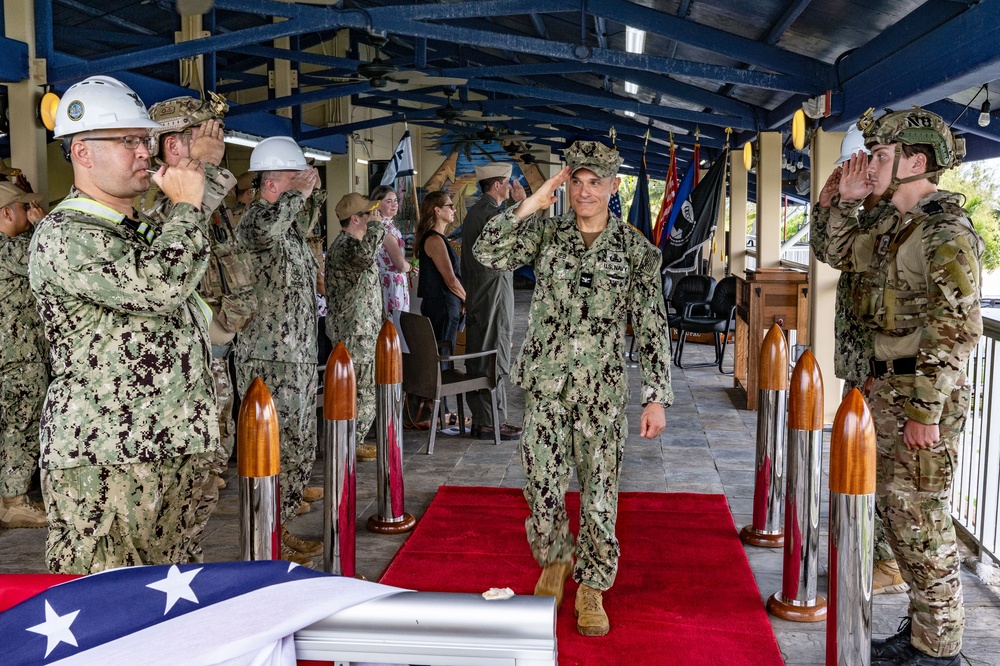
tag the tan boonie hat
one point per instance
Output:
(354, 203)
(494, 170)
(245, 181)
(11, 193)
(594, 156)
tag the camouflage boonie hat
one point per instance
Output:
(594, 156)
(181, 113)
(913, 127)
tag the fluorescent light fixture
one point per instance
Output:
(635, 39)
(242, 139)
(631, 88)
(318, 155)
(361, 161)
(630, 114)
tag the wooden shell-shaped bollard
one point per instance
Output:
(340, 411)
(852, 526)
(391, 517)
(769, 470)
(259, 462)
(798, 600)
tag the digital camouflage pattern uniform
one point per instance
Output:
(853, 338)
(279, 345)
(921, 293)
(572, 367)
(24, 368)
(227, 287)
(130, 411)
(354, 311)
(489, 307)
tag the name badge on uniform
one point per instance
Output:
(586, 280)
(883, 244)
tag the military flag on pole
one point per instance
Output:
(696, 219)
(401, 163)
(669, 196)
(638, 212)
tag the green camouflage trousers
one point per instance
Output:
(22, 392)
(556, 437)
(207, 497)
(293, 388)
(913, 491)
(882, 549)
(364, 376)
(102, 517)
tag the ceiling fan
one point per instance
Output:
(383, 75)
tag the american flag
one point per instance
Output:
(231, 612)
(615, 205)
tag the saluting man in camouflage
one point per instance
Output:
(590, 267)
(354, 301)
(854, 347)
(24, 361)
(130, 411)
(279, 345)
(192, 128)
(920, 292)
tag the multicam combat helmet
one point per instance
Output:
(594, 156)
(182, 113)
(911, 127)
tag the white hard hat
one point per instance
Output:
(854, 142)
(278, 153)
(100, 102)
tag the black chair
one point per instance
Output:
(716, 317)
(689, 289)
(423, 376)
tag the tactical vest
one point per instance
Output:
(883, 299)
(227, 284)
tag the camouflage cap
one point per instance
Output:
(913, 127)
(594, 156)
(181, 113)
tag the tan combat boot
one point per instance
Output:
(293, 555)
(19, 511)
(312, 494)
(366, 452)
(886, 578)
(304, 546)
(553, 580)
(303, 508)
(591, 620)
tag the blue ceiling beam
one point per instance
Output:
(685, 92)
(14, 60)
(271, 53)
(610, 102)
(712, 39)
(792, 12)
(115, 37)
(298, 99)
(508, 71)
(958, 55)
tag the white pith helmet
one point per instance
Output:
(278, 153)
(854, 142)
(100, 102)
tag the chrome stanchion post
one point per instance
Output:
(769, 470)
(797, 600)
(258, 467)
(852, 534)
(391, 517)
(340, 411)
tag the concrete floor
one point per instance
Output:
(707, 447)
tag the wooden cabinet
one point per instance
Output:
(766, 296)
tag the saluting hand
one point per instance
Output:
(183, 182)
(208, 143)
(544, 196)
(854, 183)
(831, 188)
(305, 181)
(517, 192)
(35, 212)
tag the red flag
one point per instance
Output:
(697, 162)
(669, 193)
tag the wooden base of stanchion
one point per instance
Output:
(397, 527)
(755, 538)
(778, 607)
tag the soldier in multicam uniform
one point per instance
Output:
(920, 291)
(590, 266)
(245, 192)
(192, 128)
(131, 408)
(853, 351)
(354, 301)
(279, 345)
(24, 361)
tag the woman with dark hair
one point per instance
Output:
(440, 290)
(391, 257)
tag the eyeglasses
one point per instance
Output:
(131, 141)
(448, 205)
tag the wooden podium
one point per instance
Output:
(766, 296)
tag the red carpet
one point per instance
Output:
(684, 594)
